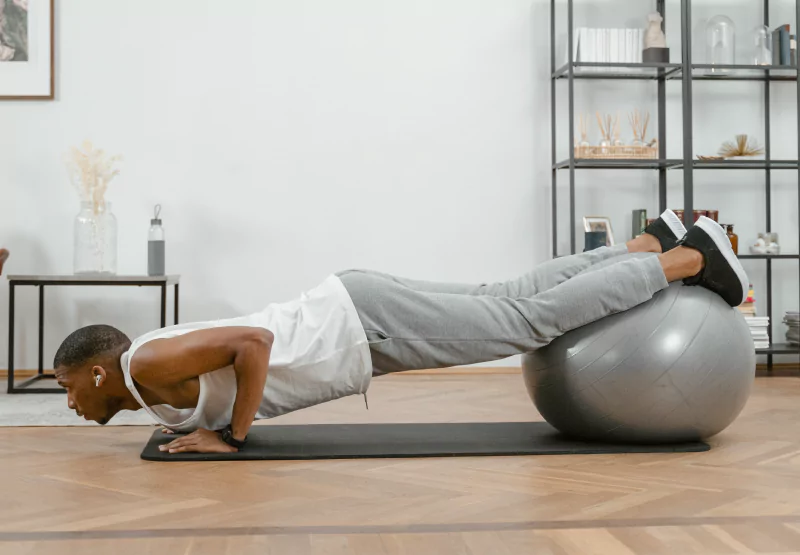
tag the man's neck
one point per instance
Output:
(129, 402)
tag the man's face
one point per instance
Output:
(83, 395)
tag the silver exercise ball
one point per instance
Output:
(676, 368)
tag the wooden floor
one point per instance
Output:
(85, 490)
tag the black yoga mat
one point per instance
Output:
(356, 441)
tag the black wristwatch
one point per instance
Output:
(227, 437)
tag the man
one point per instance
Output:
(215, 378)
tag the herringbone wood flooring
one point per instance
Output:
(79, 490)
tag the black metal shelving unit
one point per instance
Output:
(686, 73)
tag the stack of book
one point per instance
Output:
(759, 331)
(610, 46)
(792, 321)
(784, 47)
(759, 326)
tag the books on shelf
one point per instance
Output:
(784, 47)
(608, 46)
(792, 321)
(759, 325)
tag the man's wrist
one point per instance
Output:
(228, 437)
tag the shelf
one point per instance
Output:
(700, 72)
(618, 164)
(744, 165)
(671, 163)
(779, 349)
(769, 256)
(707, 72)
(587, 70)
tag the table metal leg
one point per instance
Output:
(164, 305)
(175, 314)
(41, 330)
(11, 338)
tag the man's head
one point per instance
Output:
(88, 365)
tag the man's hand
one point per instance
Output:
(162, 364)
(199, 441)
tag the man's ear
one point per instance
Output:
(99, 375)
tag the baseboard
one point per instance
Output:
(782, 369)
(20, 373)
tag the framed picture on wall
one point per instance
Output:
(27, 70)
(599, 223)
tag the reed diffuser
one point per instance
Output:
(612, 145)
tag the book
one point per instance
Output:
(776, 47)
(602, 44)
(640, 45)
(781, 46)
(576, 44)
(613, 43)
(638, 222)
(629, 59)
(786, 53)
(591, 45)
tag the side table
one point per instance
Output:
(73, 280)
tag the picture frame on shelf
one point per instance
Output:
(599, 223)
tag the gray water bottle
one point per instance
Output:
(155, 246)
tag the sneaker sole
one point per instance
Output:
(717, 235)
(674, 222)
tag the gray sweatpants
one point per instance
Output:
(414, 324)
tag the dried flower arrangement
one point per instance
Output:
(743, 147)
(90, 171)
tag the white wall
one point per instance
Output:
(286, 140)
(290, 139)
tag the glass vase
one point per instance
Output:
(95, 236)
(721, 41)
(762, 38)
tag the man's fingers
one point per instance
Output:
(166, 431)
(191, 437)
(184, 449)
(180, 442)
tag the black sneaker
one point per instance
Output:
(723, 273)
(668, 229)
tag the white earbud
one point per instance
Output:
(97, 381)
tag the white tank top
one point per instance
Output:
(320, 353)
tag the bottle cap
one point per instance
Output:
(156, 220)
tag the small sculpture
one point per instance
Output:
(655, 42)
(655, 38)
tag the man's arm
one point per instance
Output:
(168, 362)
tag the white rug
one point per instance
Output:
(47, 409)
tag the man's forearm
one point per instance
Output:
(251, 366)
